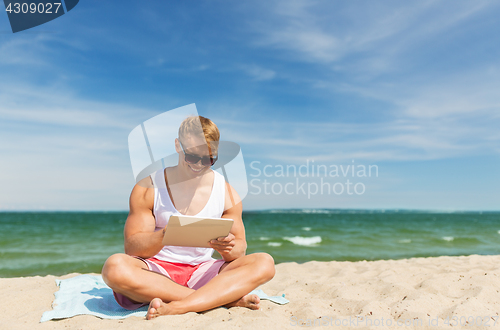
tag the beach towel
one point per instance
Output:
(89, 295)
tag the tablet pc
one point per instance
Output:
(184, 230)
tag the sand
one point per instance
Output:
(417, 293)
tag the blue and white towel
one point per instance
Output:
(89, 295)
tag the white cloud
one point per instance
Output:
(397, 140)
(375, 46)
(258, 73)
(61, 151)
(465, 93)
(58, 105)
(375, 32)
(25, 51)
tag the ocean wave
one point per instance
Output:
(321, 211)
(306, 228)
(306, 241)
(448, 238)
(274, 244)
(264, 238)
(303, 211)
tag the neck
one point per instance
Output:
(179, 175)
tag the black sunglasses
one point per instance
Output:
(193, 159)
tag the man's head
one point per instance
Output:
(198, 138)
(199, 126)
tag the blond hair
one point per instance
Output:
(202, 127)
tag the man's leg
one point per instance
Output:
(236, 280)
(131, 277)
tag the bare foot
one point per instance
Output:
(154, 306)
(251, 301)
(157, 308)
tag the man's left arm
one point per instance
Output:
(233, 245)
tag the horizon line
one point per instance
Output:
(305, 210)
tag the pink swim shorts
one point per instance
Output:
(191, 276)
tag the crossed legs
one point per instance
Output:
(130, 277)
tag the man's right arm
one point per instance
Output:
(140, 237)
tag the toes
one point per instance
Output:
(156, 303)
(153, 308)
(254, 302)
(253, 299)
(151, 313)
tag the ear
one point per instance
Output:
(178, 148)
(213, 148)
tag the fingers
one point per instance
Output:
(229, 238)
(222, 243)
(222, 249)
(222, 246)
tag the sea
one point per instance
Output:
(57, 243)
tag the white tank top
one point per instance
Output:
(164, 208)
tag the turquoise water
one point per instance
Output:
(59, 243)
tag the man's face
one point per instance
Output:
(194, 152)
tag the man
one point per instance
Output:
(176, 280)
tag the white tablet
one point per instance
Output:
(184, 230)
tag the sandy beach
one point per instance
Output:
(417, 293)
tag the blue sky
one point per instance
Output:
(411, 87)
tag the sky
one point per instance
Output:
(409, 89)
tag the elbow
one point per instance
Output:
(242, 250)
(129, 250)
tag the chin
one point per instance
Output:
(196, 171)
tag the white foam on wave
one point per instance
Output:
(404, 241)
(264, 238)
(274, 244)
(320, 211)
(499, 231)
(306, 228)
(448, 238)
(306, 241)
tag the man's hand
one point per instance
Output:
(223, 245)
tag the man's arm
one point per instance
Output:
(140, 237)
(233, 245)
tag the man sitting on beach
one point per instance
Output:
(175, 279)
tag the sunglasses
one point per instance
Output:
(193, 159)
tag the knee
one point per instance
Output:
(114, 270)
(266, 266)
